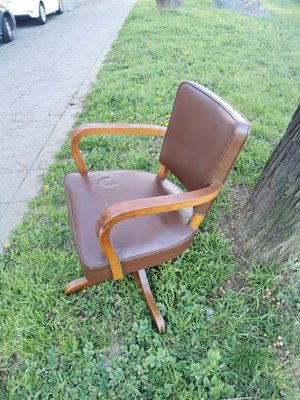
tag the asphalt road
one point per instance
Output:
(44, 76)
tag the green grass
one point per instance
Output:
(223, 315)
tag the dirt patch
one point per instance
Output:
(5, 369)
(234, 284)
(247, 7)
(114, 350)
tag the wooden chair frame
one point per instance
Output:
(135, 208)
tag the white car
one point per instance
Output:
(38, 9)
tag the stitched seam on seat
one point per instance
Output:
(159, 251)
(146, 254)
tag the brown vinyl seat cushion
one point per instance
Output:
(139, 242)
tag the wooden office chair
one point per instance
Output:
(126, 221)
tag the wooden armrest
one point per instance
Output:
(109, 129)
(137, 208)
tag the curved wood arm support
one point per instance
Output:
(109, 129)
(137, 208)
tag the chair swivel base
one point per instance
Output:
(78, 285)
(141, 278)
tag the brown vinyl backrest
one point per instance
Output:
(204, 137)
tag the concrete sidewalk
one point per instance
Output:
(45, 74)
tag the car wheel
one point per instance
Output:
(7, 33)
(42, 18)
(60, 7)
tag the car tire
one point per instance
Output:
(7, 33)
(42, 18)
(60, 7)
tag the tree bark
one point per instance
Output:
(162, 4)
(269, 226)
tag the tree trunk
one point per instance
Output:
(161, 4)
(269, 226)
